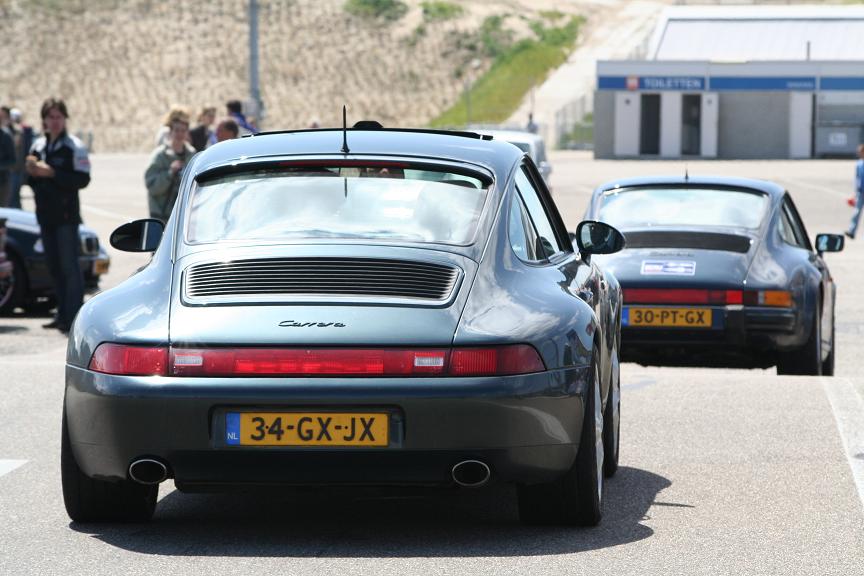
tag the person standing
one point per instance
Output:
(59, 167)
(227, 129)
(163, 174)
(25, 137)
(532, 126)
(859, 193)
(8, 158)
(176, 111)
(235, 111)
(202, 134)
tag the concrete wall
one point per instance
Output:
(604, 123)
(754, 125)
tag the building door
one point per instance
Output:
(626, 134)
(649, 142)
(709, 127)
(670, 126)
(800, 124)
(691, 125)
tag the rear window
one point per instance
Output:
(640, 207)
(366, 202)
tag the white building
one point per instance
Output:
(738, 82)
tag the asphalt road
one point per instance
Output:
(723, 471)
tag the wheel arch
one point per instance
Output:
(13, 253)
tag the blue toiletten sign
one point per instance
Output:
(675, 83)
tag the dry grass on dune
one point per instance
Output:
(121, 63)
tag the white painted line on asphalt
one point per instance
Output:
(7, 466)
(108, 213)
(848, 408)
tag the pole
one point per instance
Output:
(467, 103)
(254, 83)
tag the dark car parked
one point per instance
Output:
(719, 271)
(399, 308)
(7, 280)
(33, 287)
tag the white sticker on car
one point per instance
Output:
(668, 267)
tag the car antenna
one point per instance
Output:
(686, 173)
(345, 149)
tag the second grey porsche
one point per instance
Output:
(720, 271)
(361, 307)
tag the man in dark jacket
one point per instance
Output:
(58, 167)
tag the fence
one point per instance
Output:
(574, 124)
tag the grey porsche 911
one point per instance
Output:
(350, 307)
(719, 271)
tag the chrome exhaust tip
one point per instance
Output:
(471, 473)
(148, 471)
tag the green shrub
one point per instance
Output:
(516, 68)
(494, 38)
(384, 9)
(552, 15)
(440, 11)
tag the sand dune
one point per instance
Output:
(121, 63)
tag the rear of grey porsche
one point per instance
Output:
(317, 332)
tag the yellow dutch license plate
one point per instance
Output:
(669, 317)
(307, 429)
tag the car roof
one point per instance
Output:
(770, 188)
(25, 220)
(461, 147)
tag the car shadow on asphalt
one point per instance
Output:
(379, 523)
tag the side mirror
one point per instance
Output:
(138, 236)
(597, 238)
(829, 243)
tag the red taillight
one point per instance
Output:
(382, 362)
(710, 297)
(734, 297)
(307, 362)
(130, 360)
(682, 296)
(495, 361)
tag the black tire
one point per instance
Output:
(19, 286)
(612, 419)
(828, 363)
(577, 497)
(806, 360)
(89, 500)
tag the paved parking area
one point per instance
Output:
(723, 471)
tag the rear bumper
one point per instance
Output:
(526, 428)
(740, 335)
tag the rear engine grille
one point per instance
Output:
(329, 277)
